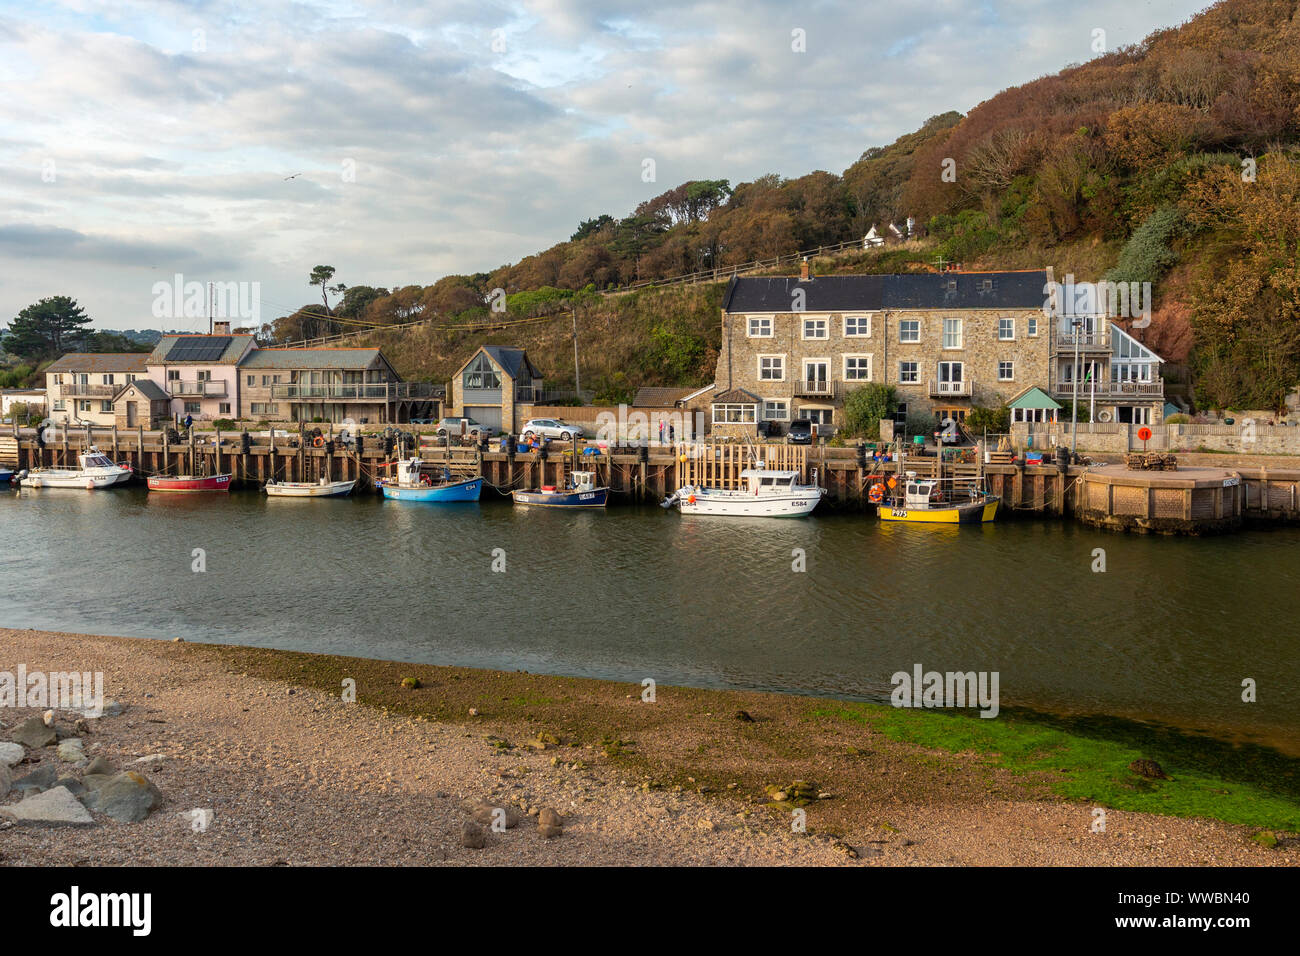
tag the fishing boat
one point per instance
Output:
(309, 489)
(765, 493)
(935, 500)
(579, 491)
(411, 485)
(5, 475)
(189, 483)
(95, 470)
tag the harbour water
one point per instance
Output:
(1167, 633)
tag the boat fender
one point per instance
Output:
(690, 499)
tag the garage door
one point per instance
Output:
(489, 415)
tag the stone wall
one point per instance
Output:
(1120, 439)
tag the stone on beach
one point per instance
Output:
(42, 778)
(487, 814)
(70, 750)
(472, 836)
(6, 778)
(100, 765)
(127, 797)
(33, 733)
(11, 753)
(57, 807)
(549, 823)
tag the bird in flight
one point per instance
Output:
(294, 176)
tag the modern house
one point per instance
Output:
(330, 384)
(80, 386)
(1109, 370)
(491, 386)
(200, 373)
(794, 347)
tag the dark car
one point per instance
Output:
(800, 432)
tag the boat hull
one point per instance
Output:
(458, 491)
(741, 505)
(5, 475)
(190, 484)
(975, 512)
(298, 489)
(595, 498)
(55, 478)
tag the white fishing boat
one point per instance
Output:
(766, 493)
(96, 470)
(309, 489)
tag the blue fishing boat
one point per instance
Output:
(411, 485)
(579, 492)
(5, 475)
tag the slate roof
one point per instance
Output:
(236, 346)
(737, 396)
(870, 293)
(294, 359)
(147, 387)
(100, 362)
(512, 360)
(660, 397)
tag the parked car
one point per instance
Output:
(464, 428)
(551, 428)
(800, 432)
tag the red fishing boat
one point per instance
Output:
(189, 483)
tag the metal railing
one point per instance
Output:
(1105, 388)
(88, 391)
(962, 389)
(351, 391)
(200, 389)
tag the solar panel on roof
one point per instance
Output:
(202, 348)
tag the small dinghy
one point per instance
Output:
(309, 489)
(411, 485)
(580, 492)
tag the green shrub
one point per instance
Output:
(1148, 253)
(981, 419)
(864, 407)
(1179, 419)
(224, 424)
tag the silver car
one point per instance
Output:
(550, 428)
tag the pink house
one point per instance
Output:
(200, 373)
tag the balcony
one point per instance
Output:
(200, 389)
(814, 388)
(351, 392)
(89, 391)
(1110, 390)
(962, 389)
(1088, 341)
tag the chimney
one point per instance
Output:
(803, 270)
(221, 328)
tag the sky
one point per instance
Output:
(233, 142)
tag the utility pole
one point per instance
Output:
(1075, 324)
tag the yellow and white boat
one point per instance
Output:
(925, 502)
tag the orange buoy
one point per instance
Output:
(876, 493)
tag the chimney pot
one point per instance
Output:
(221, 328)
(803, 270)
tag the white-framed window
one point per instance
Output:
(952, 333)
(776, 410)
(108, 379)
(857, 326)
(951, 378)
(909, 373)
(1006, 371)
(759, 327)
(857, 368)
(58, 379)
(909, 330)
(1031, 327)
(83, 405)
(733, 414)
(1006, 330)
(816, 328)
(193, 408)
(106, 406)
(59, 405)
(223, 408)
(771, 368)
(817, 376)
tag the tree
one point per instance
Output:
(321, 276)
(864, 407)
(47, 329)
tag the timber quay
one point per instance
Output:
(1201, 499)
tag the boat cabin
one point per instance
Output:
(762, 480)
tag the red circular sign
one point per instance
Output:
(1144, 434)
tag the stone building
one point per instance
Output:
(794, 347)
(492, 385)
